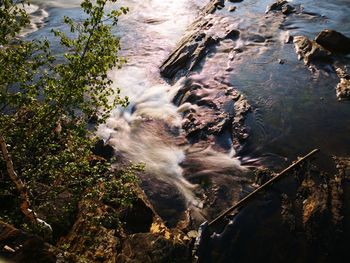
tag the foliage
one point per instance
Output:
(46, 102)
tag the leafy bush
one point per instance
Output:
(46, 102)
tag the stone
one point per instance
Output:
(343, 87)
(310, 51)
(202, 37)
(232, 8)
(304, 217)
(333, 41)
(19, 246)
(233, 34)
(277, 6)
(104, 150)
(287, 9)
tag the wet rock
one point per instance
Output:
(104, 150)
(281, 6)
(139, 217)
(304, 214)
(213, 5)
(289, 39)
(187, 55)
(202, 38)
(287, 9)
(217, 108)
(167, 199)
(276, 6)
(333, 41)
(21, 247)
(256, 38)
(232, 34)
(343, 87)
(106, 232)
(310, 51)
(232, 8)
(150, 248)
(221, 179)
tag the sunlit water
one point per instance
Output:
(293, 110)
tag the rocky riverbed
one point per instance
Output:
(197, 147)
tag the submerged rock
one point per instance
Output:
(333, 41)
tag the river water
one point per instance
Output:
(293, 110)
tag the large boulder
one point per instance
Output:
(333, 41)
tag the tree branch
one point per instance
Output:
(21, 188)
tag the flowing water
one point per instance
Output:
(293, 109)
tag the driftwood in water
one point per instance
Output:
(253, 194)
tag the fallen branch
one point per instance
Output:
(252, 194)
(21, 188)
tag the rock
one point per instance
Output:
(106, 232)
(306, 214)
(149, 248)
(235, 1)
(310, 51)
(202, 37)
(232, 34)
(333, 41)
(288, 39)
(219, 107)
(188, 54)
(104, 150)
(213, 5)
(139, 217)
(256, 38)
(19, 246)
(343, 87)
(232, 8)
(287, 9)
(277, 6)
